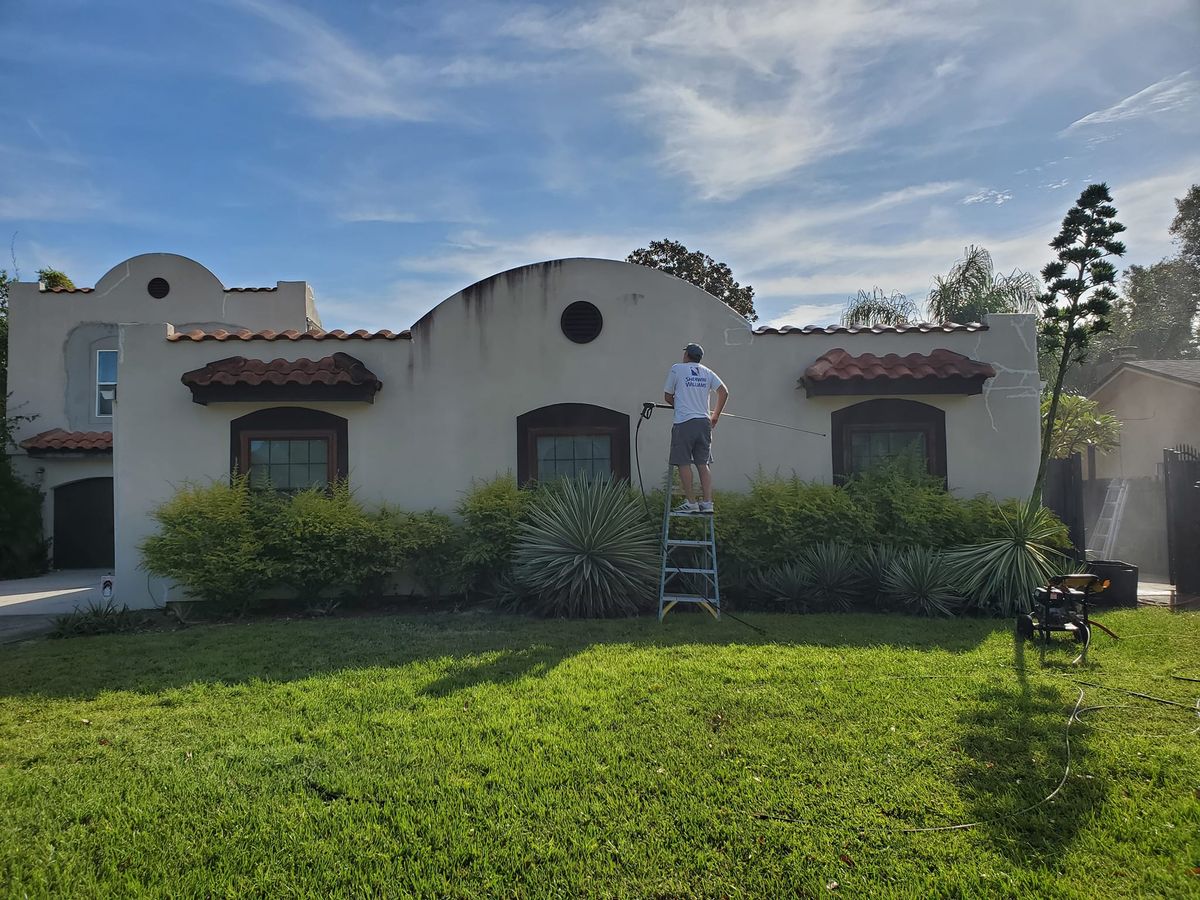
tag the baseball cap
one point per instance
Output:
(694, 351)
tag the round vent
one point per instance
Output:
(158, 288)
(581, 322)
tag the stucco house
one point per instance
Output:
(1158, 404)
(160, 375)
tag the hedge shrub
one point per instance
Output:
(491, 512)
(24, 551)
(211, 541)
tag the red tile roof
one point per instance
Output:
(837, 372)
(922, 327)
(243, 334)
(340, 368)
(58, 440)
(70, 290)
(251, 289)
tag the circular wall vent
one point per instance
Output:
(158, 288)
(581, 322)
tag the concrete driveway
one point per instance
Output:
(28, 605)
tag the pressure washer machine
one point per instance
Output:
(1062, 605)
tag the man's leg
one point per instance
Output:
(685, 478)
(705, 482)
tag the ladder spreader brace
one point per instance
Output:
(699, 573)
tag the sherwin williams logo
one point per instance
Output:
(695, 371)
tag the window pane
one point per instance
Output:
(564, 448)
(281, 478)
(318, 451)
(259, 479)
(318, 475)
(299, 476)
(259, 453)
(583, 447)
(299, 452)
(279, 451)
(545, 450)
(601, 447)
(104, 405)
(106, 367)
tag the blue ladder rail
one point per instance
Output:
(701, 572)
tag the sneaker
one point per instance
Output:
(687, 506)
(706, 507)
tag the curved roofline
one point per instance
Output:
(476, 286)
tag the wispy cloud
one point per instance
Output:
(741, 96)
(1179, 92)
(337, 78)
(998, 198)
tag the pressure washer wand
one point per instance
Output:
(648, 408)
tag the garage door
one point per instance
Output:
(83, 524)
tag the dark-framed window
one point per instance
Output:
(877, 431)
(288, 448)
(568, 438)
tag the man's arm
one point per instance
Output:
(669, 399)
(722, 396)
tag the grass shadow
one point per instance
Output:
(1016, 752)
(478, 646)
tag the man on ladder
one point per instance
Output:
(687, 390)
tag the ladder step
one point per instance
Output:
(692, 515)
(688, 598)
(678, 570)
(671, 542)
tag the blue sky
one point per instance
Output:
(392, 153)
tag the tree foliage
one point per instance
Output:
(1157, 315)
(875, 307)
(1185, 228)
(973, 288)
(1079, 295)
(1080, 422)
(54, 279)
(701, 270)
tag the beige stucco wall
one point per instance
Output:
(41, 324)
(1155, 412)
(447, 412)
(53, 339)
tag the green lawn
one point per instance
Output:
(480, 755)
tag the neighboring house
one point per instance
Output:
(1158, 404)
(539, 371)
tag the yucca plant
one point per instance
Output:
(587, 550)
(1002, 574)
(785, 586)
(873, 563)
(921, 580)
(835, 581)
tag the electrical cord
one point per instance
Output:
(1077, 711)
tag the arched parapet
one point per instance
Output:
(183, 277)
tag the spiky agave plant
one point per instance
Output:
(1003, 573)
(873, 562)
(586, 551)
(835, 581)
(920, 580)
(786, 586)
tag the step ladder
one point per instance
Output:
(689, 564)
(1103, 541)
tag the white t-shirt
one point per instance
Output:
(691, 383)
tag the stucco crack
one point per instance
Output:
(1021, 389)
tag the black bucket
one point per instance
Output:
(1123, 577)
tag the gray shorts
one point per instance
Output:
(691, 442)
